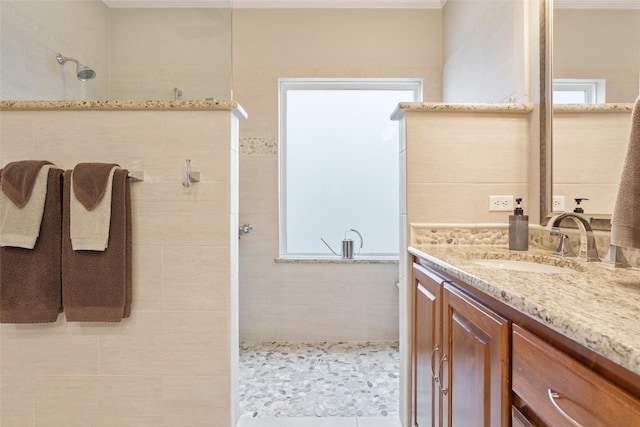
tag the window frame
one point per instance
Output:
(302, 83)
(595, 89)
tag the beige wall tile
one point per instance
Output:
(169, 214)
(195, 401)
(169, 343)
(195, 278)
(203, 137)
(17, 400)
(577, 136)
(130, 139)
(16, 137)
(147, 278)
(60, 351)
(98, 401)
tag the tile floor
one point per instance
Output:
(320, 422)
(356, 384)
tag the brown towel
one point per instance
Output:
(90, 182)
(96, 286)
(90, 205)
(625, 221)
(19, 178)
(20, 226)
(30, 287)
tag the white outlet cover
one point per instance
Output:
(500, 203)
(558, 204)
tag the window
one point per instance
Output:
(579, 91)
(339, 164)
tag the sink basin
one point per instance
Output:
(514, 265)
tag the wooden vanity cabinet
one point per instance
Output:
(461, 357)
(555, 390)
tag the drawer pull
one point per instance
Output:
(446, 389)
(436, 378)
(552, 397)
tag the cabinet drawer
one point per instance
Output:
(557, 388)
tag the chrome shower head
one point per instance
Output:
(83, 72)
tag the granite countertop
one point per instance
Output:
(593, 108)
(435, 107)
(213, 104)
(594, 304)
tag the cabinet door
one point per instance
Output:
(475, 363)
(427, 347)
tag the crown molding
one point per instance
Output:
(289, 4)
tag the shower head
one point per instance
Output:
(83, 72)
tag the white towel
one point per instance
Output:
(625, 221)
(89, 229)
(20, 227)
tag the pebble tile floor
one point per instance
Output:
(280, 379)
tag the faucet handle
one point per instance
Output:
(564, 245)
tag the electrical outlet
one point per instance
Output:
(558, 204)
(500, 203)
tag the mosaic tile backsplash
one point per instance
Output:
(258, 146)
(498, 234)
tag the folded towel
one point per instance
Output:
(625, 221)
(22, 199)
(30, 280)
(91, 205)
(96, 285)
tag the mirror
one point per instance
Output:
(599, 41)
(139, 50)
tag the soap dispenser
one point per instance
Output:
(518, 229)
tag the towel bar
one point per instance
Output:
(136, 176)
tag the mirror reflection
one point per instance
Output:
(596, 60)
(159, 52)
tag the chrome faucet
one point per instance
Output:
(588, 250)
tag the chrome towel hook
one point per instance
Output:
(190, 176)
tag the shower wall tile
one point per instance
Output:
(70, 137)
(170, 362)
(195, 401)
(18, 400)
(147, 276)
(195, 278)
(99, 401)
(168, 214)
(167, 343)
(17, 132)
(182, 135)
(59, 352)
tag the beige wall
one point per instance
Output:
(33, 32)
(154, 50)
(485, 51)
(455, 161)
(172, 362)
(311, 302)
(599, 44)
(588, 153)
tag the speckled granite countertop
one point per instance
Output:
(593, 108)
(432, 107)
(597, 306)
(215, 104)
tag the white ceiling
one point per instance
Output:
(348, 4)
